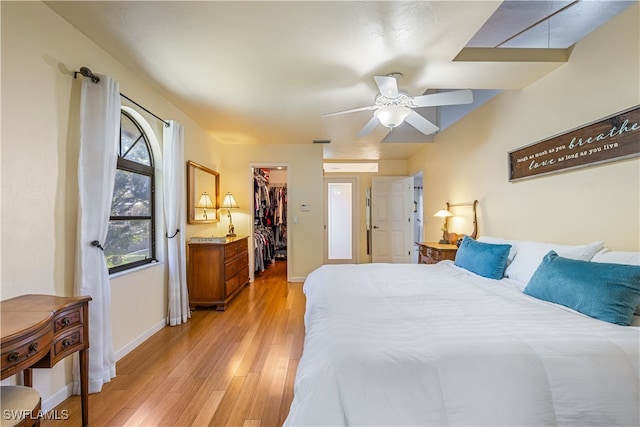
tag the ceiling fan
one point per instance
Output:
(393, 106)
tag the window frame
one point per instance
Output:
(144, 170)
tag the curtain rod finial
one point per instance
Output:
(85, 71)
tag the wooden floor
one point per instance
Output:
(232, 368)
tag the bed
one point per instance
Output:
(440, 345)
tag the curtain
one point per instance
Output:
(99, 138)
(173, 169)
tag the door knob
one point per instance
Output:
(375, 226)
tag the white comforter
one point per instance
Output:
(391, 345)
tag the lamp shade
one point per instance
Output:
(205, 202)
(229, 202)
(392, 116)
(443, 213)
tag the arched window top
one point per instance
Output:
(134, 145)
(131, 238)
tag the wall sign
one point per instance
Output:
(613, 138)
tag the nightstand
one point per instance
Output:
(431, 253)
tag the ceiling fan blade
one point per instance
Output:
(444, 98)
(388, 86)
(420, 123)
(370, 126)
(370, 107)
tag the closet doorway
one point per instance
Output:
(269, 240)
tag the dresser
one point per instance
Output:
(430, 253)
(217, 271)
(40, 330)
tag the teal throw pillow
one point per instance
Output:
(485, 259)
(608, 292)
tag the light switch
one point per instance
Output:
(305, 207)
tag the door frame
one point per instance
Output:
(418, 218)
(355, 216)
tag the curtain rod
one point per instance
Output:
(86, 72)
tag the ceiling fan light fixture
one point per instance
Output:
(392, 115)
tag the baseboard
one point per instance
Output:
(139, 339)
(57, 398)
(297, 279)
(66, 391)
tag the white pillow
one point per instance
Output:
(617, 257)
(500, 241)
(529, 255)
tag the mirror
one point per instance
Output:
(464, 221)
(203, 194)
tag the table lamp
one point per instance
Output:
(444, 213)
(229, 203)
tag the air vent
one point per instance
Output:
(321, 141)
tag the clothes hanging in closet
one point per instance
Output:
(264, 247)
(270, 227)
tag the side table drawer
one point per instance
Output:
(21, 354)
(431, 253)
(68, 343)
(67, 319)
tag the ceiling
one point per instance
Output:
(264, 72)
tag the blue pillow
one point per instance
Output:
(485, 259)
(609, 292)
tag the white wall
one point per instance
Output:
(39, 156)
(304, 172)
(469, 160)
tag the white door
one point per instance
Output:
(340, 196)
(391, 213)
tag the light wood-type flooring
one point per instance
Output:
(231, 368)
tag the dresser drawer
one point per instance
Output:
(243, 245)
(234, 248)
(231, 284)
(230, 250)
(232, 267)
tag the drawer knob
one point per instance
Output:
(66, 342)
(33, 347)
(66, 321)
(13, 356)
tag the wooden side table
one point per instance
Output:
(431, 253)
(37, 331)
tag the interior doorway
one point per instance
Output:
(340, 220)
(270, 237)
(392, 219)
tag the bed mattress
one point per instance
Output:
(436, 345)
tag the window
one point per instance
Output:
(131, 237)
